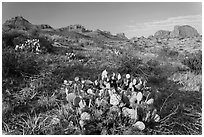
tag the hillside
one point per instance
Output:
(76, 81)
(73, 32)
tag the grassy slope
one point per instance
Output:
(180, 110)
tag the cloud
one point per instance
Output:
(149, 28)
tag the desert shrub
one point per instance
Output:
(16, 64)
(152, 63)
(129, 64)
(77, 69)
(61, 50)
(194, 62)
(16, 37)
(16, 69)
(8, 37)
(46, 44)
(166, 52)
(159, 72)
(34, 32)
(19, 40)
(173, 53)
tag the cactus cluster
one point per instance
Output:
(113, 97)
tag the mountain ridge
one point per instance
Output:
(80, 31)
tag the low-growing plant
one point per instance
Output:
(194, 62)
(129, 64)
(9, 37)
(18, 64)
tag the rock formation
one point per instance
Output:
(162, 34)
(121, 35)
(184, 31)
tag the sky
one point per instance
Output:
(132, 18)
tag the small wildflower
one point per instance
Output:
(76, 79)
(65, 82)
(127, 76)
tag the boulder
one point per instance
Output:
(183, 32)
(162, 34)
(121, 35)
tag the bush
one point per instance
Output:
(8, 37)
(15, 64)
(166, 52)
(152, 63)
(71, 71)
(194, 62)
(129, 64)
(46, 44)
(16, 37)
(19, 40)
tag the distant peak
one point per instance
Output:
(20, 18)
(17, 22)
(17, 19)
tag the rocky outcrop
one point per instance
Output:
(75, 27)
(162, 34)
(183, 32)
(178, 32)
(121, 35)
(44, 26)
